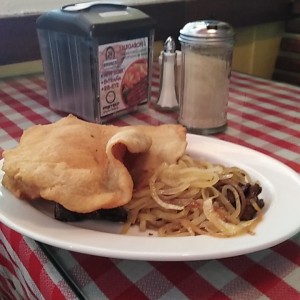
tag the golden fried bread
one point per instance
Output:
(75, 163)
(85, 166)
(168, 145)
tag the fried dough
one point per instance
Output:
(85, 166)
(74, 163)
(168, 145)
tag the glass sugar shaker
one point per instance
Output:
(206, 48)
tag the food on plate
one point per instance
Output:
(193, 198)
(117, 214)
(138, 175)
(84, 166)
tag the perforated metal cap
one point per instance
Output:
(206, 31)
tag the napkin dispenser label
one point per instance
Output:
(123, 75)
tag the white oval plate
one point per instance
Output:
(281, 189)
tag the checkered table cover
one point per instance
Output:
(263, 115)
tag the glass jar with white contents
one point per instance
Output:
(207, 48)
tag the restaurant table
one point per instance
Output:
(263, 115)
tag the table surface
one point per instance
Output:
(262, 115)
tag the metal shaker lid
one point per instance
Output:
(206, 31)
(169, 45)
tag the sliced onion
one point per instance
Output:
(155, 196)
(157, 199)
(227, 228)
(162, 203)
(236, 195)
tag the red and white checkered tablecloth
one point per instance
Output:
(263, 115)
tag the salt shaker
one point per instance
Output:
(206, 48)
(177, 71)
(167, 99)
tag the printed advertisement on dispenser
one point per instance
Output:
(123, 75)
